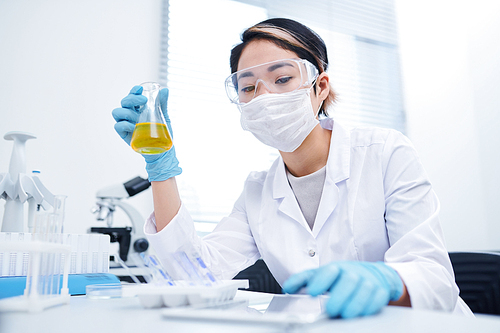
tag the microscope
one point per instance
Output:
(130, 238)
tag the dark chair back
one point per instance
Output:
(260, 278)
(477, 274)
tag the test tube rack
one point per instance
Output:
(34, 298)
(89, 253)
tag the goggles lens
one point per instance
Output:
(280, 76)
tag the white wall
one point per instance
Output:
(64, 65)
(450, 54)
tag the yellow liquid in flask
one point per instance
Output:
(151, 138)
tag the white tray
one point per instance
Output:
(152, 296)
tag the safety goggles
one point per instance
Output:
(280, 76)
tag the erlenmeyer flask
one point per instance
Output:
(151, 134)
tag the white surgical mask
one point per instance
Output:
(282, 121)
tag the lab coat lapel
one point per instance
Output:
(337, 170)
(282, 191)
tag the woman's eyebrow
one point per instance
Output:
(246, 74)
(269, 69)
(279, 65)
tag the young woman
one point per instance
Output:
(351, 212)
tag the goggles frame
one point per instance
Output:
(308, 78)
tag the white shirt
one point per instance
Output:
(377, 205)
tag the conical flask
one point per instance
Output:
(151, 134)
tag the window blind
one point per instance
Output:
(197, 35)
(362, 43)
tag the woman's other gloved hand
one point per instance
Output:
(356, 288)
(159, 166)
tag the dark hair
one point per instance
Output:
(289, 35)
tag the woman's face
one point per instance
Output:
(263, 51)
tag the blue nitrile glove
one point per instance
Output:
(160, 166)
(356, 288)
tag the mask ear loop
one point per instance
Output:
(319, 109)
(313, 85)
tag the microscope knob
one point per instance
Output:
(141, 245)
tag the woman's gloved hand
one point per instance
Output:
(356, 288)
(160, 166)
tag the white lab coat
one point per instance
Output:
(377, 205)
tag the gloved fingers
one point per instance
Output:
(156, 157)
(297, 281)
(392, 278)
(122, 114)
(163, 166)
(136, 90)
(124, 127)
(323, 280)
(359, 300)
(341, 292)
(134, 99)
(386, 275)
(163, 95)
(380, 299)
(125, 130)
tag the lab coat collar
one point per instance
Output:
(280, 182)
(283, 191)
(339, 157)
(337, 170)
(337, 165)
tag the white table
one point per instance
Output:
(128, 315)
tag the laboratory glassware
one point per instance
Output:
(59, 208)
(43, 280)
(151, 134)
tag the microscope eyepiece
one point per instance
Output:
(136, 185)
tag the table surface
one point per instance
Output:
(128, 315)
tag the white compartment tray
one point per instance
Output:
(181, 295)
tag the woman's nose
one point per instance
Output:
(261, 87)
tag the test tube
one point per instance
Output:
(38, 283)
(94, 253)
(18, 237)
(59, 208)
(3, 255)
(103, 260)
(192, 272)
(160, 276)
(203, 270)
(57, 229)
(82, 257)
(139, 262)
(26, 257)
(51, 257)
(127, 269)
(63, 239)
(12, 257)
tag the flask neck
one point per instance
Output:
(151, 112)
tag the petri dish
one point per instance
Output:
(104, 291)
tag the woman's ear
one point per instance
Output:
(322, 86)
(322, 91)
